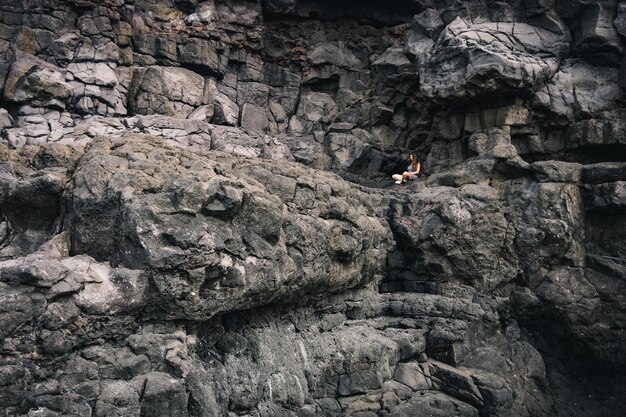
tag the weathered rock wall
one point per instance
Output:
(180, 283)
(175, 239)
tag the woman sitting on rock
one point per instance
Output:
(412, 170)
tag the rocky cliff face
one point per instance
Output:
(197, 219)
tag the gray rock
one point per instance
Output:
(169, 91)
(428, 23)
(254, 118)
(565, 287)
(603, 172)
(512, 115)
(34, 81)
(252, 93)
(346, 148)
(522, 56)
(93, 73)
(97, 288)
(594, 132)
(6, 60)
(201, 52)
(108, 291)
(422, 305)
(418, 47)
(597, 38)
(392, 64)
(226, 111)
(117, 398)
(64, 47)
(163, 395)
(492, 143)
(285, 389)
(198, 272)
(315, 112)
(609, 197)
(457, 382)
(432, 404)
(205, 13)
(57, 315)
(540, 238)
(497, 393)
(339, 54)
(18, 309)
(579, 89)
(556, 171)
(202, 113)
(308, 151)
(442, 219)
(6, 121)
(411, 375)
(245, 262)
(620, 20)
(232, 140)
(32, 189)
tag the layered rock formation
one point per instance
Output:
(196, 217)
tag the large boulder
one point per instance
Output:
(167, 90)
(580, 90)
(456, 234)
(493, 57)
(221, 232)
(315, 113)
(226, 111)
(36, 82)
(69, 297)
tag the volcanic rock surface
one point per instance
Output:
(197, 216)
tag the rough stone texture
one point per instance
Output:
(168, 91)
(460, 234)
(472, 59)
(579, 90)
(595, 35)
(620, 19)
(33, 81)
(175, 239)
(172, 203)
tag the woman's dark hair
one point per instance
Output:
(415, 160)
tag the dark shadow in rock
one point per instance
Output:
(588, 154)
(374, 12)
(30, 198)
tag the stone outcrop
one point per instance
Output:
(196, 215)
(491, 57)
(168, 91)
(167, 207)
